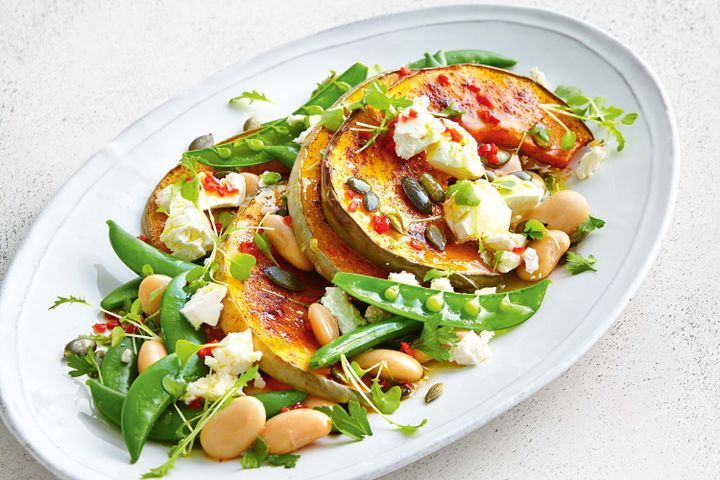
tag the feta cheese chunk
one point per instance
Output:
(442, 283)
(522, 196)
(311, 121)
(538, 75)
(505, 241)
(531, 259)
(486, 291)
(508, 261)
(403, 277)
(472, 349)
(205, 305)
(187, 232)
(590, 162)
(416, 129)
(338, 302)
(231, 357)
(455, 153)
(491, 216)
(164, 197)
(227, 192)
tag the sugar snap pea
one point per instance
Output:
(455, 57)
(117, 298)
(119, 366)
(276, 401)
(460, 310)
(362, 339)
(135, 253)
(278, 133)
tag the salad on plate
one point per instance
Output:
(318, 268)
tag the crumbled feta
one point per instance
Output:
(472, 349)
(293, 119)
(416, 129)
(490, 217)
(164, 197)
(233, 356)
(259, 381)
(522, 196)
(505, 241)
(311, 121)
(590, 161)
(347, 316)
(187, 232)
(531, 259)
(538, 75)
(374, 314)
(126, 356)
(235, 185)
(455, 153)
(508, 261)
(205, 305)
(442, 283)
(266, 198)
(403, 277)
(486, 291)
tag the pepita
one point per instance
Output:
(417, 195)
(435, 237)
(371, 202)
(358, 185)
(80, 346)
(433, 187)
(203, 141)
(523, 176)
(434, 392)
(283, 278)
(251, 123)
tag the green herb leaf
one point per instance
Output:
(464, 193)
(70, 299)
(256, 457)
(629, 119)
(541, 135)
(571, 95)
(194, 274)
(184, 349)
(534, 229)
(332, 119)
(191, 164)
(83, 365)
(568, 140)
(136, 307)
(411, 429)
(386, 402)
(262, 243)
(591, 223)
(353, 424)
(116, 336)
(287, 460)
(173, 386)
(376, 96)
(250, 96)
(433, 273)
(270, 178)
(147, 270)
(576, 263)
(436, 340)
(190, 190)
(240, 266)
(451, 111)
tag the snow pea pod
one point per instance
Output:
(277, 133)
(145, 401)
(116, 298)
(276, 401)
(459, 310)
(117, 373)
(176, 327)
(455, 57)
(362, 339)
(135, 253)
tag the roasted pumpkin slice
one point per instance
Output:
(328, 253)
(515, 103)
(277, 317)
(153, 221)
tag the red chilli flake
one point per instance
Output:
(143, 238)
(405, 348)
(404, 71)
(380, 223)
(443, 80)
(519, 250)
(488, 117)
(196, 404)
(287, 220)
(416, 245)
(208, 351)
(489, 151)
(454, 135)
(212, 184)
(297, 406)
(352, 208)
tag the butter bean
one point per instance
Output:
(283, 241)
(564, 211)
(291, 430)
(150, 352)
(397, 365)
(323, 324)
(150, 292)
(251, 183)
(312, 402)
(550, 250)
(233, 429)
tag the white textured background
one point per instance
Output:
(643, 403)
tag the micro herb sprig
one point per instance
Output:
(593, 110)
(84, 365)
(184, 446)
(249, 96)
(436, 340)
(377, 97)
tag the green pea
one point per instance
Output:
(314, 109)
(391, 293)
(255, 144)
(472, 307)
(224, 152)
(435, 303)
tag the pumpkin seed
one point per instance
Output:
(283, 278)
(99, 357)
(433, 188)
(203, 141)
(523, 176)
(251, 123)
(435, 237)
(490, 175)
(434, 392)
(371, 201)
(417, 195)
(405, 391)
(397, 219)
(79, 346)
(502, 158)
(358, 185)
